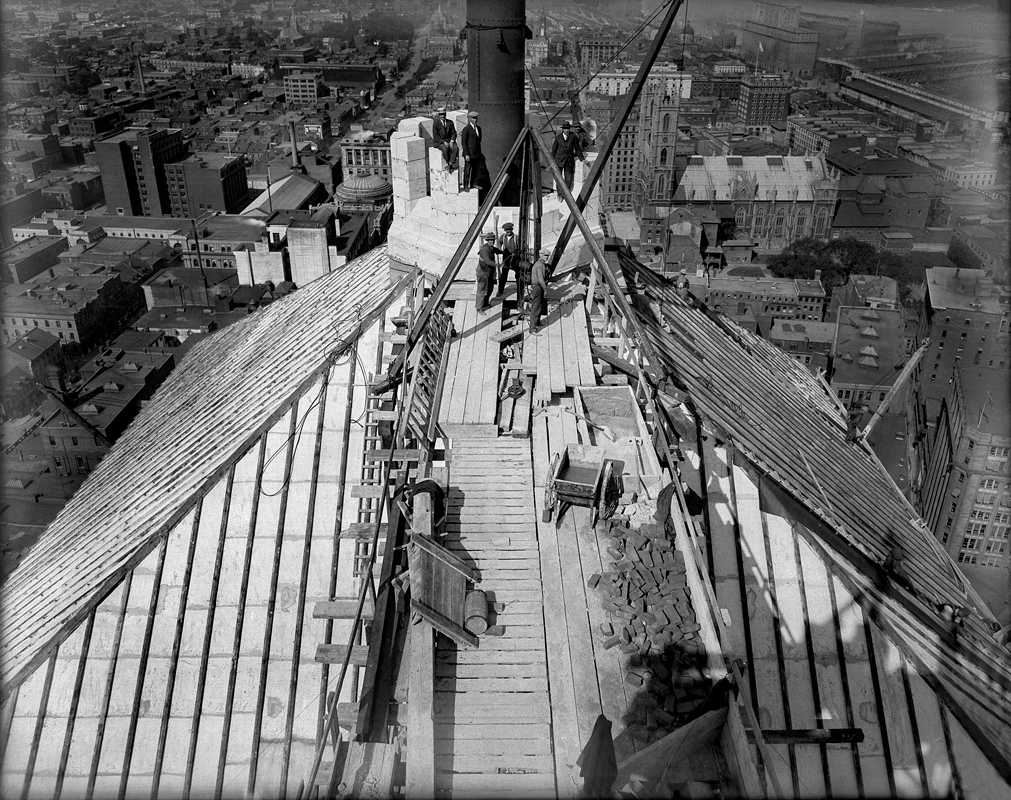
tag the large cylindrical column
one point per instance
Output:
(495, 61)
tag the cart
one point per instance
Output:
(580, 476)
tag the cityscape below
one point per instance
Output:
(773, 241)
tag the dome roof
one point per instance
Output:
(689, 30)
(363, 187)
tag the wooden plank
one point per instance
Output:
(543, 367)
(369, 492)
(584, 356)
(342, 608)
(565, 732)
(466, 731)
(525, 784)
(420, 695)
(489, 370)
(335, 653)
(444, 669)
(555, 346)
(461, 378)
(570, 367)
(393, 455)
(485, 684)
(525, 746)
(489, 656)
(471, 763)
(522, 408)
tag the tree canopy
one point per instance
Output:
(839, 258)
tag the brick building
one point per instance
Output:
(206, 182)
(132, 165)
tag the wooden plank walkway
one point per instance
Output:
(492, 715)
(470, 391)
(559, 354)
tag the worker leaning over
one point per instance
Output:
(487, 270)
(539, 289)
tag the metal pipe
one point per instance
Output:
(495, 73)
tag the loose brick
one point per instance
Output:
(629, 649)
(613, 641)
(594, 580)
(606, 628)
(633, 679)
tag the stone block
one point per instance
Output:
(408, 148)
(458, 117)
(410, 125)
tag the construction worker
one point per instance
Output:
(444, 137)
(509, 246)
(539, 289)
(564, 152)
(486, 270)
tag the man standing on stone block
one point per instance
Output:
(470, 145)
(509, 246)
(444, 136)
(564, 152)
(486, 270)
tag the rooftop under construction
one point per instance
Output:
(372, 541)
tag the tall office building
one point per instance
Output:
(206, 182)
(132, 165)
(774, 39)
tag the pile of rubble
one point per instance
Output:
(653, 623)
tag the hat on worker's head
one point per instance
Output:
(507, 225)
(545, 251)
(566, 124)
(472, 114)
(441, 111)
(489, 235)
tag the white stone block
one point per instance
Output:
(411, 125)
(436, 159)
(408, 148)
(425, 126)
(458, 117)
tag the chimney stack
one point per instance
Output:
(295, 165)
(496, 41)
(140, 75)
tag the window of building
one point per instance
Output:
(779, 224)
(980, 514)
(997, 459)
(966, 558)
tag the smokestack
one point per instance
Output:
(140, 75)
(295, 165)
(495, 61)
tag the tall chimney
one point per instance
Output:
(140, 75)
(495, 63)
(294, 146)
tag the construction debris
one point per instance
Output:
(652, 622)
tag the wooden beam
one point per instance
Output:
(334, 654)
(811, 736)
(445, 626)
(342, 608)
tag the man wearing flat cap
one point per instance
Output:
(509, 246)
(539, 288)
(444, 137)
(486, 269)
(470, 146)
(564, 152)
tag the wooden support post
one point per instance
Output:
(421, 686)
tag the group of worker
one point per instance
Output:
(568, 146)
(491, 273)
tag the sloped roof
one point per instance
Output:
(222, 396)
(717, 177)
(746, 393)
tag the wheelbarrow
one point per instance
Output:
(580, 476)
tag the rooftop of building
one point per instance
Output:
(290, 193)
(32, 344)
(719, 177)
(26, 247)
(802, 331)
(986, 397)
(869, 347)
(231, 228)
(956, 289)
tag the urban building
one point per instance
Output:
(79, 310)
(851, 34)
(206, 182)
(868, 349)
(619, 181)
(365, 153)
(772, 298)
(668, 78)
(771, 199)
(763, 100)
(132, 165)
(774, 39)
(23, 261)
(967, 318)
(965, 495)
(38, 353)
(808, 342)
(304, 88)
(864, 291)
(829, 133)
(595, 51)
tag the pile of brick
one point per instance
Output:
(653, 623)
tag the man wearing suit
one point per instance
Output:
(470, 146)
(509, 246)
(564, 152)
(444, 137)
